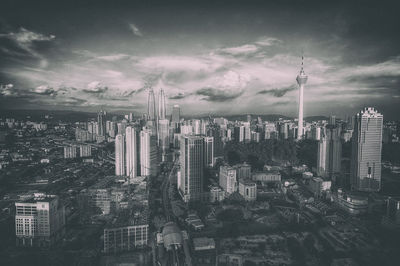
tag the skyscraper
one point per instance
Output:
(101, 121)
(190, 183)
(148, 153)
(209, 151)
(151, 106)
(131, 152)
(365, 169)
(301, 81)
(163, 133)
(329, 152)
(162, 111)
(176, 114)
(119, 155)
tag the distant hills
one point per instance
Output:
(73, 116)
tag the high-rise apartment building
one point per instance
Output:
(190, 183)
(85, 150)
(70, 152)
(119, 155)
(131, 152)
(365, 169)
(148, 153)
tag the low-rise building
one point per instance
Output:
(39, 220)
(248, 189)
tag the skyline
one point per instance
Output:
(207, 58)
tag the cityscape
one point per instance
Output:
(202, 145)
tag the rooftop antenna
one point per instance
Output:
(302, 60)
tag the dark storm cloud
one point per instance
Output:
(177, 96)
(391, 82)
(282, 103)
(278, 92)
(192, 46)
(216, 95)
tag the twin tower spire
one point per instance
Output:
(151, 105)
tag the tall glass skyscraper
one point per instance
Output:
(101, 122)
(329, 152)
(365, 169)
(190, 183)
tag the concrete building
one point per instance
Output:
(176, 114)
(391, 218)
(318, 186)
(70, 152)
(209, 151)
(125, 238)
(227, 179)
(148, 154)
(190, 183)
(119, 155)
(329, 152)
(163, 134)
(39, 221)
(248, 189)
(85, 150)
(365, 168)
(131, 152)
(243, 171)
(101, 122)
(352, 203)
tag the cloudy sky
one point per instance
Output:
(219, 57)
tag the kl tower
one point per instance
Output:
(301, 80)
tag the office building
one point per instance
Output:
(101, 122)
(248, 189)
(70, 152)
(125, 238)
(209, 151)
(176, 114)
(243, 171)
(301, 81)
(119, 155)
(39, 221)
(391, 218)
(163, 133)
(227, 179)
(131, 152)
(162, 111)
(365, 169)
(247, 131)
(148, 154)
(85, 150)
(190, 183)
(329, 152)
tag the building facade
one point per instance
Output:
(365, 169)
(39, 221)
(192, 165)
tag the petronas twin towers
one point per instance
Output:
(151, 106)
